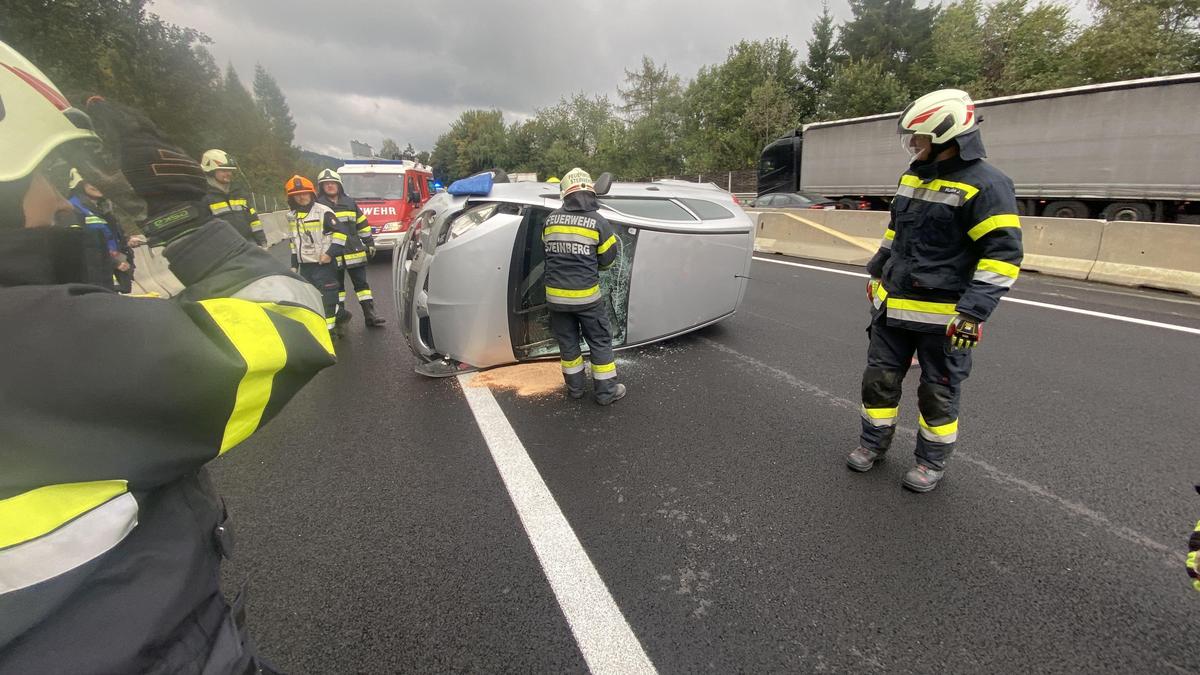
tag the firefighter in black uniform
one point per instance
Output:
(578, 243)
(360, 247)
(227, 201)
(111, 534)
(950, 252)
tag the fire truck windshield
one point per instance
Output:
(374, 185)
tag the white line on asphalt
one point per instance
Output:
(1170, 553)
(1019, 301)
(604, 637)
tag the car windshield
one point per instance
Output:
(374, 185)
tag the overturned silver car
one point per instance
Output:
(468, 275)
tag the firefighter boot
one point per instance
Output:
(921, 478)
(576, 382)
(863, 459)
(343, 315)
(373, 320)
(611, 396)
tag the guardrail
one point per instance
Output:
(1155, 255)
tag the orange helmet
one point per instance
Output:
(298, 184)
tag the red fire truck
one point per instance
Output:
(389, 192)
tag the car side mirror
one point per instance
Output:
(603, 184)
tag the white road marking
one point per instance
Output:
(1019, 301)
(604, 637)
(1170, 554)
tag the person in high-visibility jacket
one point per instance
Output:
(111, 532)
(226, 200)
(360, 247)
(317, 239)
(578, 243)
(91, 212)
(1193, 556)
(950, 252)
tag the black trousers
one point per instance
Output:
(358, 278)
(943, 370)
(591, 324)
(325, 278)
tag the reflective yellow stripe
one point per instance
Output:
(218, 205)
(937, 184)
(1198, 525)
(248, 327)
(361, 219)
(994, 223)
(608, 243)
(922, 306)
(881, 413)
(339, 238)
(315, 323)
(42, 510)
(570, 229)
(999, 267)
(346, 215)
(363, 294)
(577, 361)
(567, 293)
(365, 232)
(890, 234)
(941, 429)
(604, 367)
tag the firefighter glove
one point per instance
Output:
(371, 251)
(964, 332)
(872, 287)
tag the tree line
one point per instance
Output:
(887, 53)
(119, 50)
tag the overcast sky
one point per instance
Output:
(370, 69)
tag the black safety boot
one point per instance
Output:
(921, 478)
(863, 459)
(343, 315)
(373, 320)
(618, 393)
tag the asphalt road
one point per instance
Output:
(714, 502)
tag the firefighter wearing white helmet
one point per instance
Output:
(111, 533)
(578, 244)
(226, 200)
(360, 247)
(951, 250)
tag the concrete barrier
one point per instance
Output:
(849, 237)
(1065, 247)
(1158, 255)
(275, 226)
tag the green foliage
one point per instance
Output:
(820, 67)
(117, 49)
(892, 33)
(865, 88)
(1139, 38)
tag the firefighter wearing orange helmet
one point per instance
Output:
(317, 239)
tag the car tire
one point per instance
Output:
(1129, 211)
(1068, 208)
(849, 204)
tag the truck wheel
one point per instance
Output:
(1129, 211)
(1066, 209)
(851, 204)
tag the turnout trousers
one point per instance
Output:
(358, 279)
(942, 373)
(591, 324)
(325, 278)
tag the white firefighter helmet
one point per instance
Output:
(35, 118)
(75, 180)
(575, 180)
(327, 176)
(942, 115)
(215, 159)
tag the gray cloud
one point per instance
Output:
(369, 69)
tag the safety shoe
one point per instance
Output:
(343, 315)
(372, 319)
(921, 478)
(575, 394)
(618, 394)
(863, 459)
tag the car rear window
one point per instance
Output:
(656, 209)
(707, 210)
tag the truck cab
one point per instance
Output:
(388, 192)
